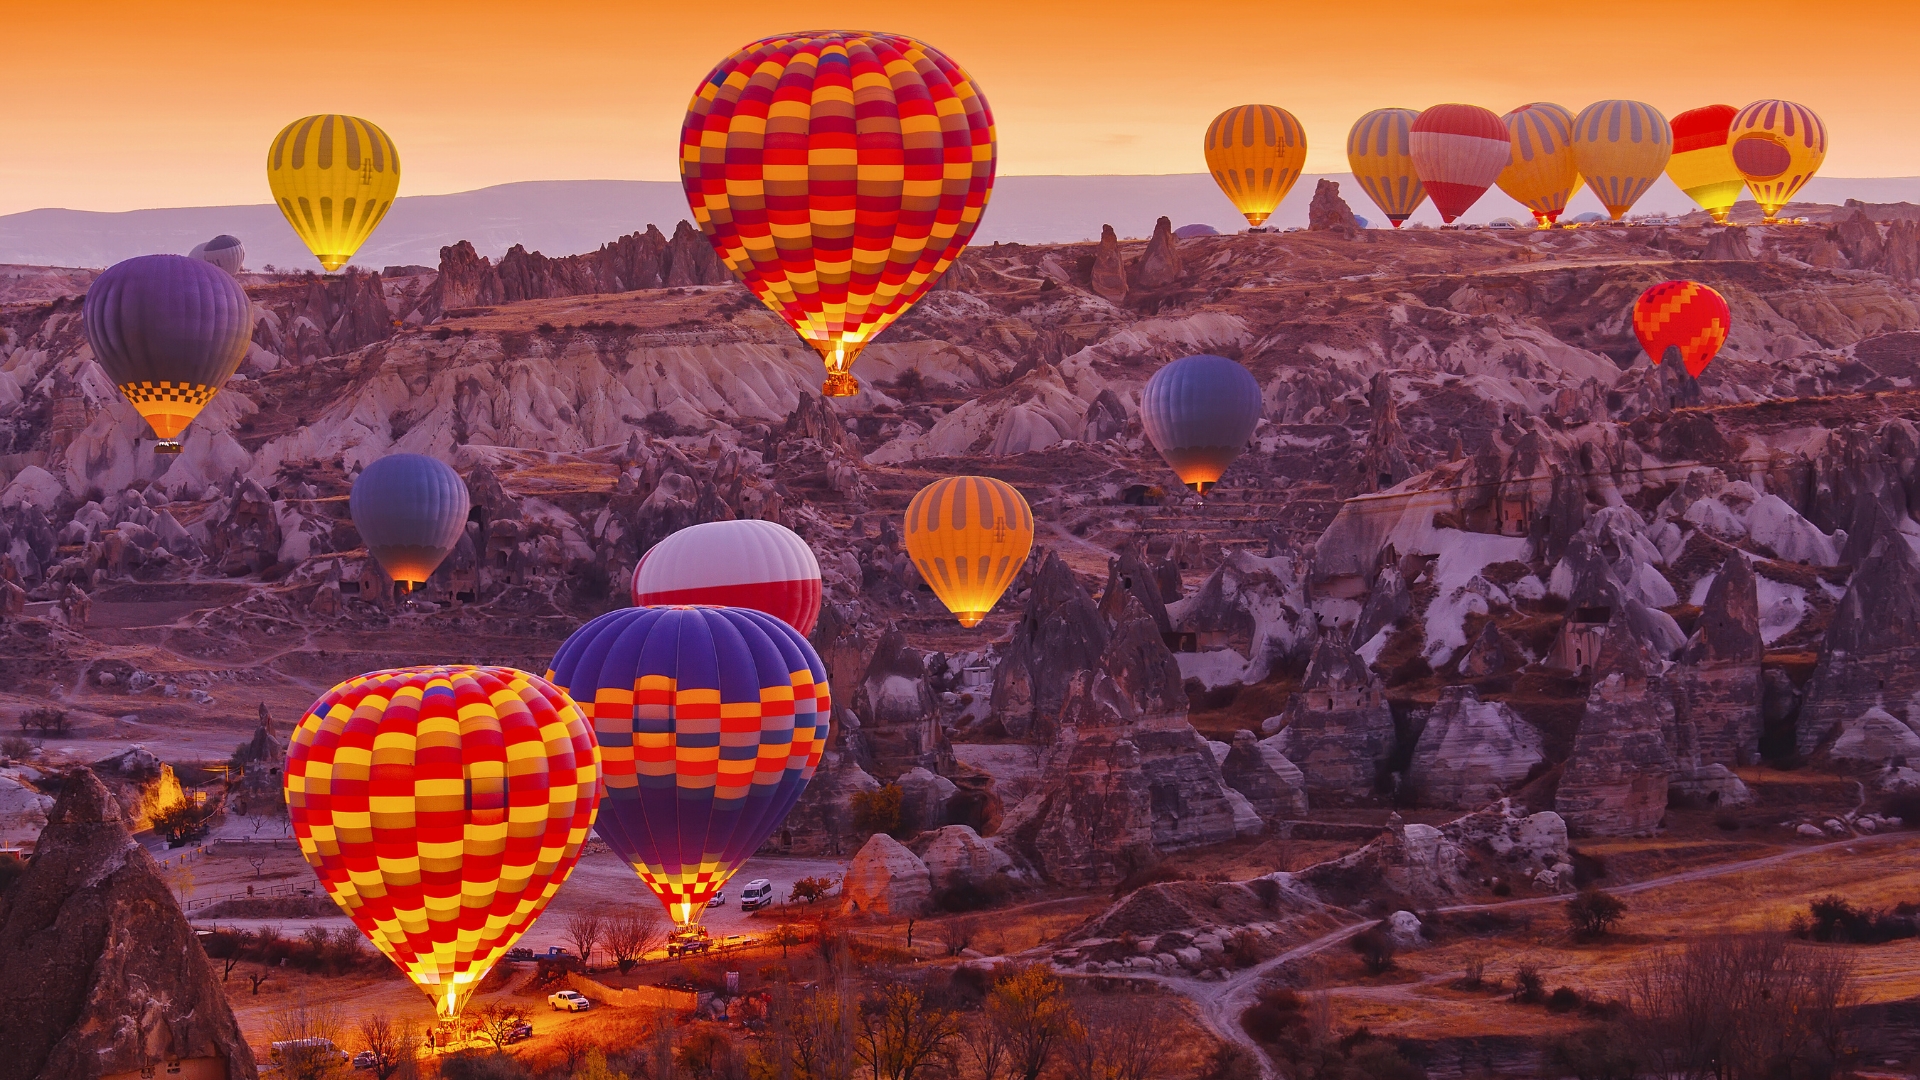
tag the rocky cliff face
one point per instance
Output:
(104, 976)
(642, 260)
(1338, 728)
(1060, 636)
(1872, 644)
(1716, 685)
(899, 720)
(1329, 212)
(1615, 783)
(1471, 752)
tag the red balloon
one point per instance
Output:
(1683, 315)
(1459, 151)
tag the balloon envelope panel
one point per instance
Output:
(1459, 151)
(411, 510)
(334, 177)
(442, 808)
(1777, 146)
(1621, 147)
(1540, 174)
(969, 536)
(169, 331)
(1200, 411)
(1702, 162)
(838, 174)
(746, 563)
(710, 721)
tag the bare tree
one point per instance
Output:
(632, 934)
(820, 1030)
(585, 929)
(391, 1045)
(985, 1054)
(958, 932)
(306, 1037)
(572, 1044)
(257, 976)
(497, 1021)
(902, 1036)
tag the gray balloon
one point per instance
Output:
(223, 251)
(411, 510)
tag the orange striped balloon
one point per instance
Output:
(1255, 153)
(1621, 147)
(1777, 146)
(1380, 153)
(441, 808)
(838, 174)
(969, 536)
(1541, 175)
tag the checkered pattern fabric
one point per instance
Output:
(1683, 315)
(710, 721)
(168, 407)
(442, 808)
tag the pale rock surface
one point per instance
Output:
(1873, 738)
(887, 881)
(956, 855)
(1471, 751)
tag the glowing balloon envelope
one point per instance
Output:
(1200, 411)
(334, 177)
(761, 565)
(1459, 151)
(1540, 175)
(1621, 147)
(411, 510)
(441, 808)
(969, 536)
(1380, 153)
(1777, 146)
(1255, 153)
(838, 175)
(169, 331)
(1685, 316)
(1702, 162)
(710, 722)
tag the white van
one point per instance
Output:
(757, 894)
(299, 1053)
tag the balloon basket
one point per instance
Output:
(840, 384)
(167, 446)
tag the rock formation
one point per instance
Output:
(1275, 788)
(1615, 782)
(1160, 264)
(104, 976)
(1730, 243)
(1109, 268)
(1471, 751)
(956, 857)
(1716, 685)
(645, 260)
(887, 881)
(1060, 635)
(1329, 212)
(1427, 866)
(1338, 730)
(1385, 462)
(1872, 656)
(899, 720)
(1256, 606)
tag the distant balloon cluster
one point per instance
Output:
(1539, 154)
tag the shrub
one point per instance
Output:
(1271, 1018)
(1598, 1053)
(1528, 987)
(1268, 891)
(1375, 1060)
(1502, 888)
(973, 896)
(810, 889)
(1230, 1062)
(16, 747)
(46, 719)
(1594, 913)
(12, 867)
(1832, 919)
(1149, 875)
(877, 810)
(1376, 949)
(472, 1065)
(1564, 999)
(1473, 973)
(1246, 948)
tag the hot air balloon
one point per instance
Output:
(1702, 162)
(411, 510)
(222, 251)
(1255, 153)
(761, 565)
(1540, 174)
(442, 807)
(1685, 316)
(838, 174)
(1621, 147)
(1459, 151)
(969, 536)
(334, 177)
(1777, 146)
(1380, 153)
(169, 331)
(711, 721)
(1200, 411)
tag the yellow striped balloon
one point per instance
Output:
(1541, 175)
(1255, 153)
(1380, 153)
(1621, 147)
(334, 178)
(1777, 146)
(969, 536)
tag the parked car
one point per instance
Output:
(568, 1001)
(689, 942)
(757, 894)
(365, 1059)
(307, 1052)
(523, 1031)
(719, 899)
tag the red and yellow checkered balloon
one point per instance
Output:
(442, 807)
(838, 174)
(1683, 315)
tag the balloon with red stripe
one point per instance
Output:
(1459, 151)
(710, 720)
(1682, 316)
(752, 564)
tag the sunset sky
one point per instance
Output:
(119, 106)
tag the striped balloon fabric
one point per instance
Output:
(1621, 147)
(1459, 151)
(1380, 153)
(838, 174)
(169, 331)
(1702, 162)
(334, 178)
(1541, 174)
(711, 720)
(1777, 146)
(1685, 316)
(969, 536)
(1255, 153)
(761, 565)
(442, 808)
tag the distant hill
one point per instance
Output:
(565, 217)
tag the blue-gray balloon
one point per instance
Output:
(169, 331)
(410, 509)
(223, 251)
(1200, 411)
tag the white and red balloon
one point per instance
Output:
(751, 564)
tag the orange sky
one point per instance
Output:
(134, 105)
